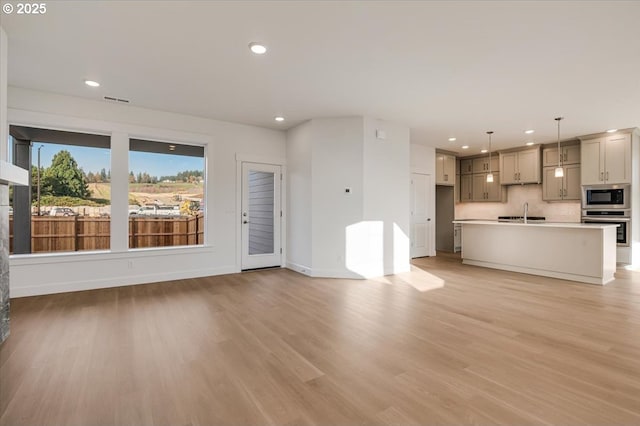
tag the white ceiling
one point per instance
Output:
(442, 68)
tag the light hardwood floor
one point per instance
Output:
(446, 344)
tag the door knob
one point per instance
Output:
(245, 221)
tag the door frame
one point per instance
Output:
(432, 208)
(275, 161)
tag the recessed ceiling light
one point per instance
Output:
(612, 130)
(172, 147)
(465, 146)
(529, 131)
(452, 139)
(92, 83)
(484, 151)
(529, 143)
(257, 48)
(279, 118)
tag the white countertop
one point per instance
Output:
(539, 224)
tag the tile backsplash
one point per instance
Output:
(517, 195)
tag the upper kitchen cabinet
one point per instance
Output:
(569, 154)
(606, 159)
(488, 191)
(466, 166)
(565, 188)
(520, 167)
(481, 164)
(466, 188)
(445, 169)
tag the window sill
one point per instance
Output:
(70, 257)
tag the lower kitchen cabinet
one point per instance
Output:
(564, 188)
(457, 237)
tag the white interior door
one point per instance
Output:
(261, 216)
(420, 215)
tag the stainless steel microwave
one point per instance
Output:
(606, 197)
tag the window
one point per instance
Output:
(67, 206)
(166, 194)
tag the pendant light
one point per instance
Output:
(490, 175)
(559, 170)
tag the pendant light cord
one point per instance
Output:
(559, 154)
(490, 133)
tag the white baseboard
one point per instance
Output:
(341, 273)
(545, 273)
(305, 270)
(64, 287)
(336, 273)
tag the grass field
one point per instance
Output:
(145, 193)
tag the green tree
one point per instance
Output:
(64, 177)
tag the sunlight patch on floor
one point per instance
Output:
(417, 278)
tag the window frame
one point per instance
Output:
(118, 132)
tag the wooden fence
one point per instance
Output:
(77, 233)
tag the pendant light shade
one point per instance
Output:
(490, 175)
(559, 170)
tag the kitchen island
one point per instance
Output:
(570, 251)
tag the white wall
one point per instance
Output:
(357, 234)
(423, 160)
(337, 164)
(225, 142)
(517, 195)
(387, 180)
(299, 146)
(4, 130)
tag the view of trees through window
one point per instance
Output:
(66, 184)
(68, 204)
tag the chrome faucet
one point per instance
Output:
(526, 211)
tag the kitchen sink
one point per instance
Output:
(520, 219)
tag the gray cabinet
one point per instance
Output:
(487, 191)
(565, 188)
(445, 169)
(520, 167)
(568, 155)
(481, 164)
(457, 237)
(473, 180)
(606, 159)
(466, 166)
(466, 188)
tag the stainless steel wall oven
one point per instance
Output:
(622, 218)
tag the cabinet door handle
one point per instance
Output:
(565, 192)
(607, 175)
(561, 192)
(601, 175)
